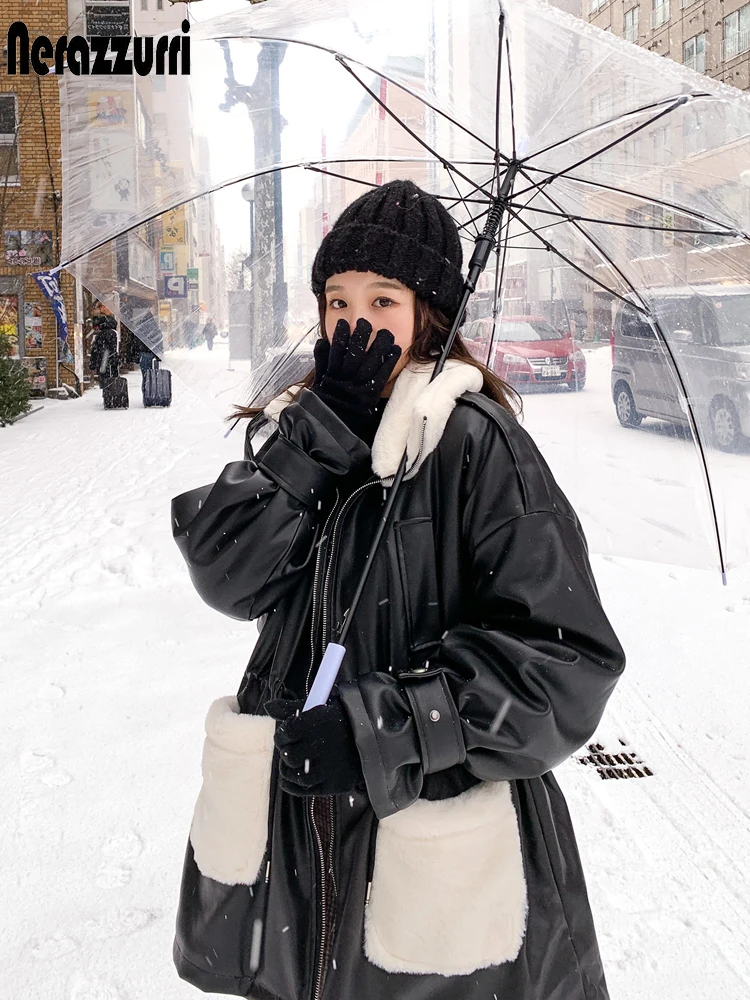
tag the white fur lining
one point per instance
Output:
(415, 415)
(417, 412)
(230, 824)
(448, 891)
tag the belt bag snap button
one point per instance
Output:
(434, 715)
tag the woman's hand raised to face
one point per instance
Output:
(349, 377)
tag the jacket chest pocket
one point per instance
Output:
(417, 566)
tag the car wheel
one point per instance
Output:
(725, 424)
(577, 384)
(625, 406)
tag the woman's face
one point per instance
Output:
(384, 302)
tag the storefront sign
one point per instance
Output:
(32, 321)
(9, 322)
(174, 225)
(166, 260)
(28, 247)
(175, 287)
(141, 263)
(37, 369)
(192, 278)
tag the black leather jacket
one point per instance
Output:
(480, 653)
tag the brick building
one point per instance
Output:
(710, 36)
(30, 209)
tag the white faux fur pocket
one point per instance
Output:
(448, 890)
(230, 823)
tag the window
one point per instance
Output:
(8, 140)
(660, 13)
(631, 24)
(661, 146)
(160, 4)
(693, 136)
(737, 32)
(112, 18)
(694, 52)
(595, 5)
(144, 4)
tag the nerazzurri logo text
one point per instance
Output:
(107, 55)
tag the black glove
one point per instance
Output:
(349, 378)
(317, 752)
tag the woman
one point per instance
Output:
(408, 839)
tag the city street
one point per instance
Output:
(103, 711)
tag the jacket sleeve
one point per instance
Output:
(514, 689)
(250, 535)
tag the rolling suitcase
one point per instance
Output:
(115, 394)
(157, 387)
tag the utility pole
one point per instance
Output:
(269, 302)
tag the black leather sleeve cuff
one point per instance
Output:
(441, 740)
(295, 471)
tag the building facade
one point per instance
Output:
(30, 208)
(709, 36)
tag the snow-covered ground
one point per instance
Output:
(109, 660)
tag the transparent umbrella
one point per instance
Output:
(611, 185)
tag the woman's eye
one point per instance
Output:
(337, 304)
(384, 299)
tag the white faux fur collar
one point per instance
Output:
(415, 415)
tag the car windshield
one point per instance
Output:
(523, 331)
(732, 314)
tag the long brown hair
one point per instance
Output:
(431, 330)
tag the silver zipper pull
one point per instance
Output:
(268, 872)
(369, 890)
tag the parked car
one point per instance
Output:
(708, 330)
(528, 352)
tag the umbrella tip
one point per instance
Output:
(724, 577)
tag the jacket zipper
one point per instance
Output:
(318, 987)
(325, 864)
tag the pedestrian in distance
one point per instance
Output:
(209, 332)
(408, 838)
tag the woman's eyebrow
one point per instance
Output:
(334, 288)
(387, 284)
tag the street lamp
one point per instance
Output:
(248, 193)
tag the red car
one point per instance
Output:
(528, 352)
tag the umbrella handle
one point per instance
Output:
(326, 676)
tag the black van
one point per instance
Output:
(708, 330)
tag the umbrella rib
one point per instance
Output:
(441, 159)
(343, 61)
(499, 276)
(512, 104)
(587, 236)
(577, 267)
(691, 415)
(682, 98)
(637, 196)
(499, 80)
(599, 152)
(634, 225)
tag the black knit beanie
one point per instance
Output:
(401, 232)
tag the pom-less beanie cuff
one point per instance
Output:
(399, 231)
(363, 247)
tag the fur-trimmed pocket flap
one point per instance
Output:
(448, 890)
(230, 823)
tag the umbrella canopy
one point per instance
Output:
(206, 195)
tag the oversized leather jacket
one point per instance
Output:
(480, 658)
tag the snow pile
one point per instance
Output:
(109, 661)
